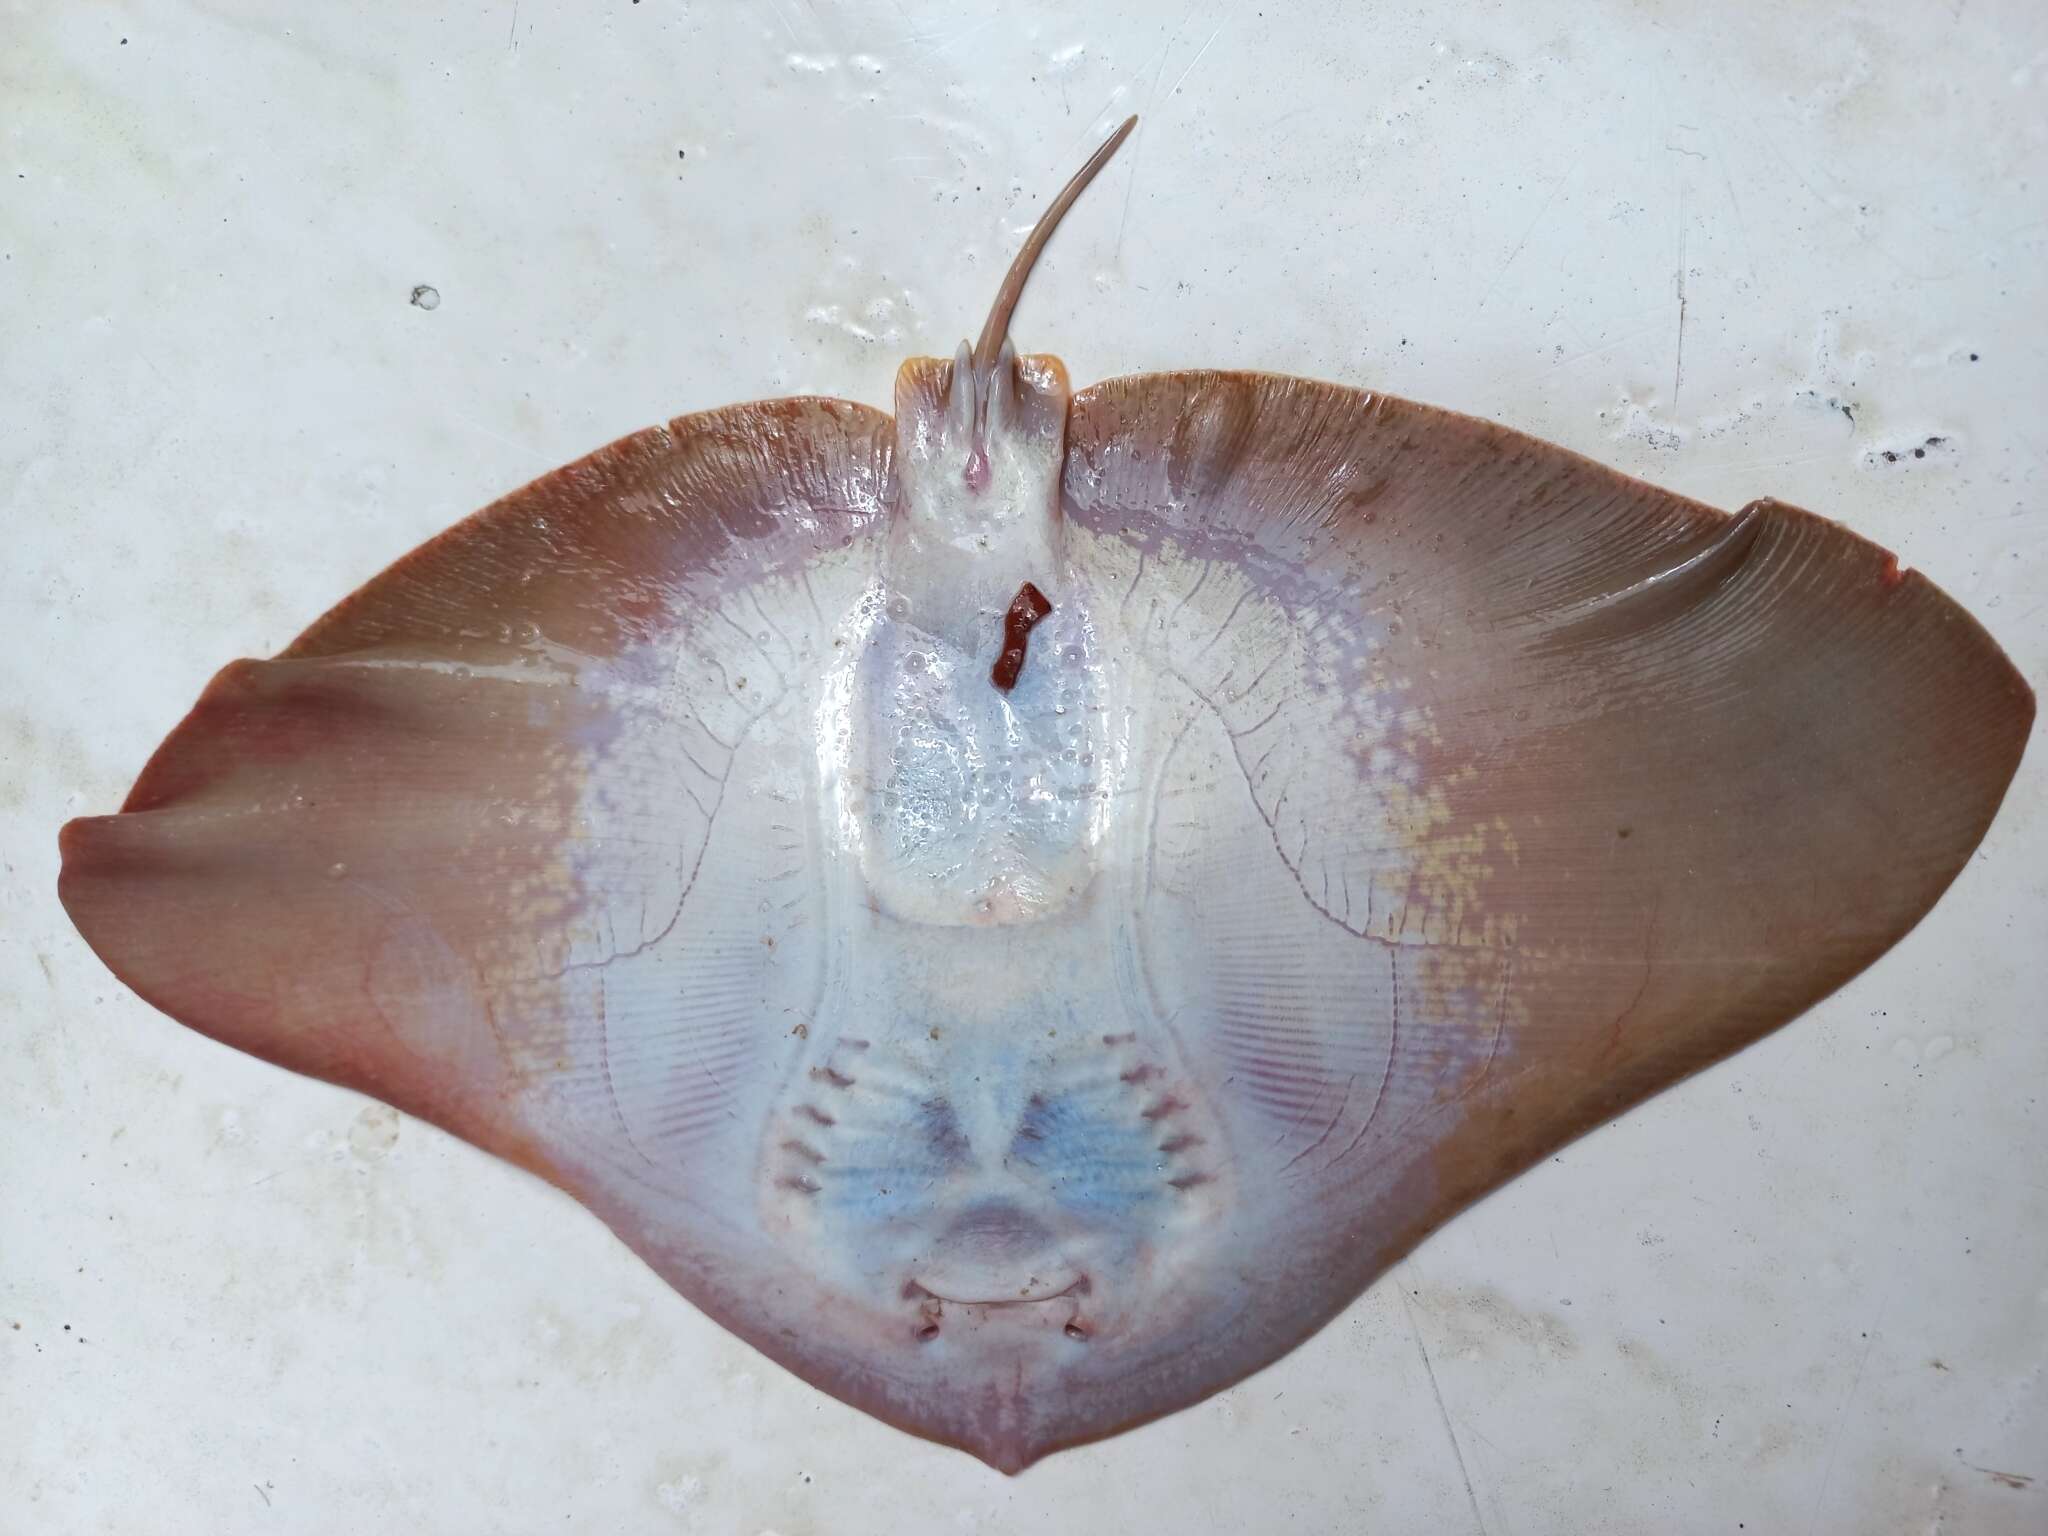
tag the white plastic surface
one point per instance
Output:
(284, 291)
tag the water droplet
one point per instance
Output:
(898, 608)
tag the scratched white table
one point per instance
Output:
(1740, 250)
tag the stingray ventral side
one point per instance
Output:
(1022, 909)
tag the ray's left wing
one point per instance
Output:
(485, 841)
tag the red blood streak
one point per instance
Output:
(1026, 609)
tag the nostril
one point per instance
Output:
(926, 1332)
(1076, 1332)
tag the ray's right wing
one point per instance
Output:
(1499, 790)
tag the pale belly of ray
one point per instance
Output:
(990, 1110)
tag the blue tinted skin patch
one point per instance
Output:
(1001, 1155)
(1100, 1164)
(1086, 1147)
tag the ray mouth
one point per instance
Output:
(1032, 1295)
(1063, 1307)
